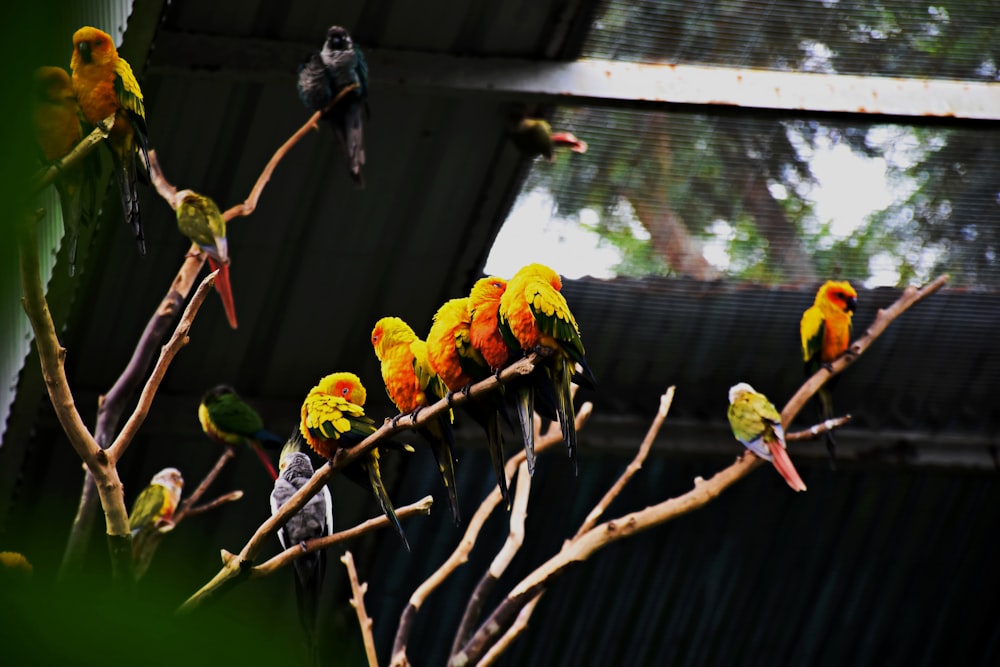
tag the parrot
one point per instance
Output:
(14, 567)
(333, 417)
(104, 85)
(757, 424)
(484, 314)
(534, 136)
(58, 128)
(199, 219)
(825, 329)
(153, 511)
(228, 420)
(314, 520)
(459, 364)
(533, 312)
(334, 81)
(412, 384)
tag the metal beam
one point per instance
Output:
(597, 82)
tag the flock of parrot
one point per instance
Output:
(470, 338)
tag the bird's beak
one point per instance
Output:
(852, 303)
(84, 49)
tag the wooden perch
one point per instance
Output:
(588, 542)
(358, 591)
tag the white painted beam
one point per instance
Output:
(597, 82)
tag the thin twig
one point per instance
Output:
(167, 354)
(666, 400)
(519, 625)
(817, 430)
(250, 204)
(224, 499)
(228, 453)
(358, 590)
(460, 555)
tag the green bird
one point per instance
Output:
(228, 420)
(199, 219)
(757, 424)
(534, 137)
(153, 513)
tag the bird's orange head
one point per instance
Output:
(485, 292)
(389, 332)
(839, 293)
(93, 46)
(346, 386)
(52, 84)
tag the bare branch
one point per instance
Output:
(818, 429)
(250, 204)
(584, 545)
(167, 354)
(666, 400)
(358, 591)
(228, 452)
(224, 499)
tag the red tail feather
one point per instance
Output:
(262, 455)
(783, 464)
(569, 140)
(225, 290)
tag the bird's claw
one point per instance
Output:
(450, 396)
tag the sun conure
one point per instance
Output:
(104, 85)
(534, 136)
(459, 364)
(228, 420)
(757, 424)
(484, 321)
(199, 219)
(57, 119)
(533, 313)
(825, 329)
(411, 384)
(333, 417)
(314, 520)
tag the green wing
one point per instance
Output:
(811, 329)
(555, 319)
(230, 414)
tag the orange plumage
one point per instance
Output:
(104, 85)
(484, 318)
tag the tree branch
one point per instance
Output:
(582, 546)
(250, 204)
(49, 174)
(357, 601)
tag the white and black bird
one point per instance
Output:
(334, 81)
(315, 519)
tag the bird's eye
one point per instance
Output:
(345, 391)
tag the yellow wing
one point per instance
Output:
(811, 329)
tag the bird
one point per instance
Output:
(228, 420)
(459, 364)
(534, 137)
(104, 85)
(333, 417)
(153, 513)
(313, 520)
(58, 128)
(825, 330)
(534, 313)
(412, 384)
(199, 219)
(334, 81)
(484, 321)
(757, 424)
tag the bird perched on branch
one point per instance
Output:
(534, 136)
(412, 384)
(825, 329)
(199, 219)
(228, 420)
(533, 314)
(757, 424)
(153, 512)
(104, 85)
(58, 128)
(484, 321)
(314, 520)
(334, 81)
(459, 364)
(333, 417)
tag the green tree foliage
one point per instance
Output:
(687, 176)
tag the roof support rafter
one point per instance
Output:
(599, 82)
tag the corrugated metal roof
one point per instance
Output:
(749, 579)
